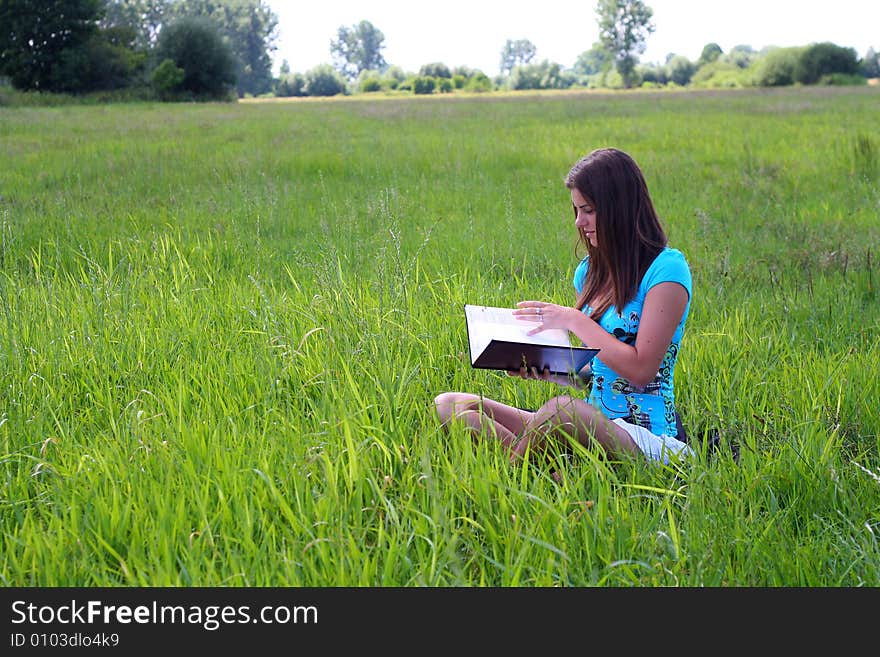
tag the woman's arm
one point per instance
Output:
(664, 306)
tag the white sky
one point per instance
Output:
(473, 32)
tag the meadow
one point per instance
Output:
(223, 327)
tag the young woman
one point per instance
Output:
(633, 297)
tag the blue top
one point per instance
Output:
(651, 406)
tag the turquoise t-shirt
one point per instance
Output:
(651, 406)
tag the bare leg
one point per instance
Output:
(567, 416)
(483, 416)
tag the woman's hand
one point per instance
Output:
(545, 315)
(531, 373)
(545, 375)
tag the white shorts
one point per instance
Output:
(656, 448)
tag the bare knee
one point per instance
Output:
(557, 410)
(452, 404)
(569, 416)
(585, 423)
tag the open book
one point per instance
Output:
(500, 341)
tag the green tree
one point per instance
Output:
(776, 67)
(711, 52)
(720, 74)
(253, 34)
(369, 82)
(593, 61)
(106, 60)
(358, 48)
(435, 70)
(820, 59)
(624, 26)
(194, 44)
(37, 36)
(680, 69)
(479, 82)
(424, 85)
(251, 29)
(657, 74)
(516, 53)
(291, 84)
(544, 75)
(144, 17)
(741, 56)
(871, 64)
(393, 76)
(466, 72)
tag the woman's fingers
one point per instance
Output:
(531, 373)
(531, 310)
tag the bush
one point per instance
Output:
(369, 81)
(11, 97)
(423, 85)
(654, 74)
(843, 80)
(393, 76)
(167, 79)
(610, 79)
(524, 77)
(545, 75)
(445, 86)
(740, 56)
(435, 70)
(194, 44)
(103, 62)
(324, 80)
(776, 68)
(680, 70)
(479, 83)
(719, 74)
(819, 59)
(291, 85)
(369, 85)
(557, 78)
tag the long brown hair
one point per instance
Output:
(628, 232)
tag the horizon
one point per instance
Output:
(473, 34)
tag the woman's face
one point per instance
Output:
(585, 216)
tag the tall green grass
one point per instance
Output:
(223, 327)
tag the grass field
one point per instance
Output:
(223, 327)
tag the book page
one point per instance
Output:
(487, 323)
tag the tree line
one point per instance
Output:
(220, 49)
(172, 49)
(611, 62)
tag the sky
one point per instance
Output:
(472, 33)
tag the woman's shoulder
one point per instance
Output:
(672, 252)
(669, 265)
(670, 256)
